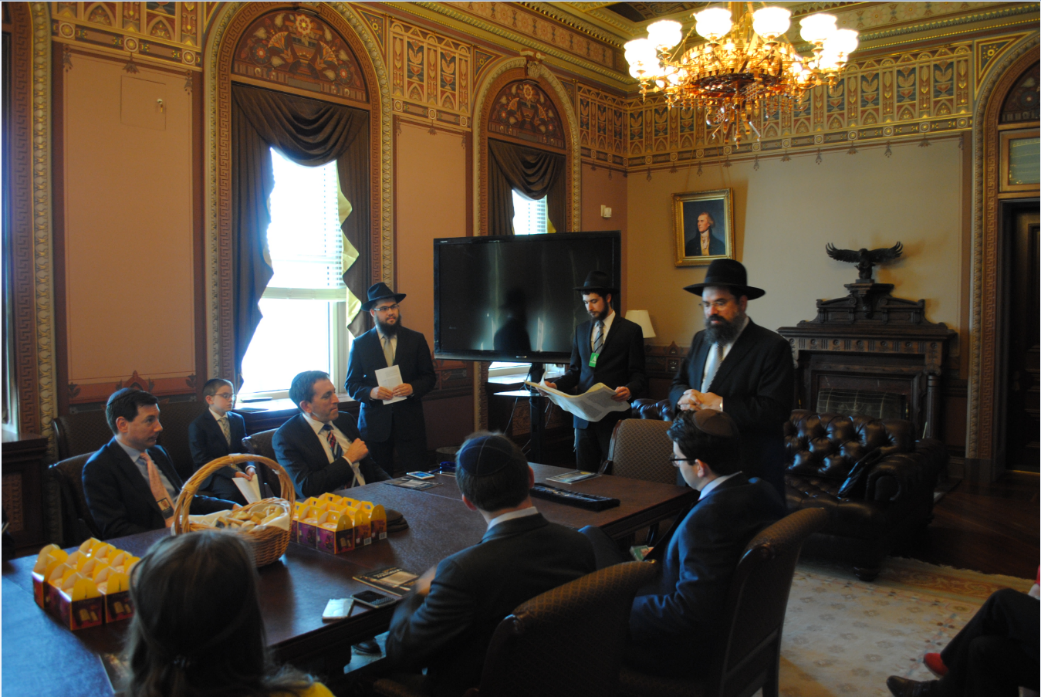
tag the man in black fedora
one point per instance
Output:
(399, 425)
(737, 367)
(607, 349)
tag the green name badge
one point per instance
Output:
(592, 359)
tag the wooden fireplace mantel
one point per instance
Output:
(871, 341)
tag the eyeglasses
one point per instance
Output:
(674, 460)
(387, 308)
(718, 304)
(225, 395)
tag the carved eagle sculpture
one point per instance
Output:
(865, 259)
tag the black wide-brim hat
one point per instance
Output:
(728, 273)
(597, 282)
(380, 291)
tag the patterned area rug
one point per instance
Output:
(845, 637)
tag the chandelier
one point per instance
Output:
(743, 70)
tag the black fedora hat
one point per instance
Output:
(380, 291)
(597, 282)
(728, 273)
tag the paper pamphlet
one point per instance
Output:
(390, 378)
(249, 488)
(594, 405)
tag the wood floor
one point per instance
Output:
(992, 528)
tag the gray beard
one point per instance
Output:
(722, 333)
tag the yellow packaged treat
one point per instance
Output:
(335, 532)
(114, 587)
(48, 559)
(78, 603)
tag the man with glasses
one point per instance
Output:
(740, 368)
(391, 417)
(218, 432)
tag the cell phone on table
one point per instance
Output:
(420, 475)
(373, 599)
(338, 609)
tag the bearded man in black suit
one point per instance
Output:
(607, 349)
(401, 426)
(737, 367)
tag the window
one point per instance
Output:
(529, 217)
(305, 304)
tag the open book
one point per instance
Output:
(594, 405)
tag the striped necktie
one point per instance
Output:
(598, 336)
(334, 445)
(226, 428)
(155, 484)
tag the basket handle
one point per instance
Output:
(191, 487)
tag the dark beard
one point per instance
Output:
(388, 329)
(723, 332)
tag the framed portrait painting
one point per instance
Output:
(704, 227)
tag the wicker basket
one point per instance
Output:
(268, 544)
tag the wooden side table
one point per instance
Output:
(23, 470)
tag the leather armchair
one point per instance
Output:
(886, 500)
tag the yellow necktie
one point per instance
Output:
(162, 496)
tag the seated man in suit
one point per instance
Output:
(675, 621)
(218, 432)
(131, 484)
(320, 448)
(446, 623)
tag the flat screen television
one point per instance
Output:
(513, 298)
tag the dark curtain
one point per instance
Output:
(310, 133)
(534, 173)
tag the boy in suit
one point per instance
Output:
(607, 349)
(446, 623)
(218, 432)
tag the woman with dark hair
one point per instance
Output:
(197, 628)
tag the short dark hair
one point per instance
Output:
(125, 403)
(197, 621)
(214, 384)
(302, 388)
(504, 489)
(721, 454)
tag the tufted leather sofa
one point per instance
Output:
(892, 501)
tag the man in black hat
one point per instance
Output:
(607, 349)
(740, 368)
(447, 622)
(678, 619)
(399, 425)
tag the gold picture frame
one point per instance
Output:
(699, 241)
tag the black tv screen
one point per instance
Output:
(513, 298)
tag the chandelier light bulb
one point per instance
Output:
(636, 48)
(771, 22)
(665, 33)
(817, 28)
(843, 42)
(713, 23)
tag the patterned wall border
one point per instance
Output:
(233, 19)
(984, 339)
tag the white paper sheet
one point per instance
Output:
(249, 488)
(390, 378)
(594, 405)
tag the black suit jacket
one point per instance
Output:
(716, 246)
(417, 369)
(448, 631)
(207, 443)
(621, 363)
(302, 455)
(757, 383)
(679, 616)
(119, 497)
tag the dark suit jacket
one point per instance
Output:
(448, 632)
(716, 246)
(680, 613)
(621, 362)
(757, 383)
(417, 369)
(207, 443)
(300, 452)
(120, 499)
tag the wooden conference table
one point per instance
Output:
(42, 658)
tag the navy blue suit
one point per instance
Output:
(119, 497)
(757, 383)
(621, 363)
(302, 455)
(384, 426)
(448, 631)
(207, 443)
(680, 613)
